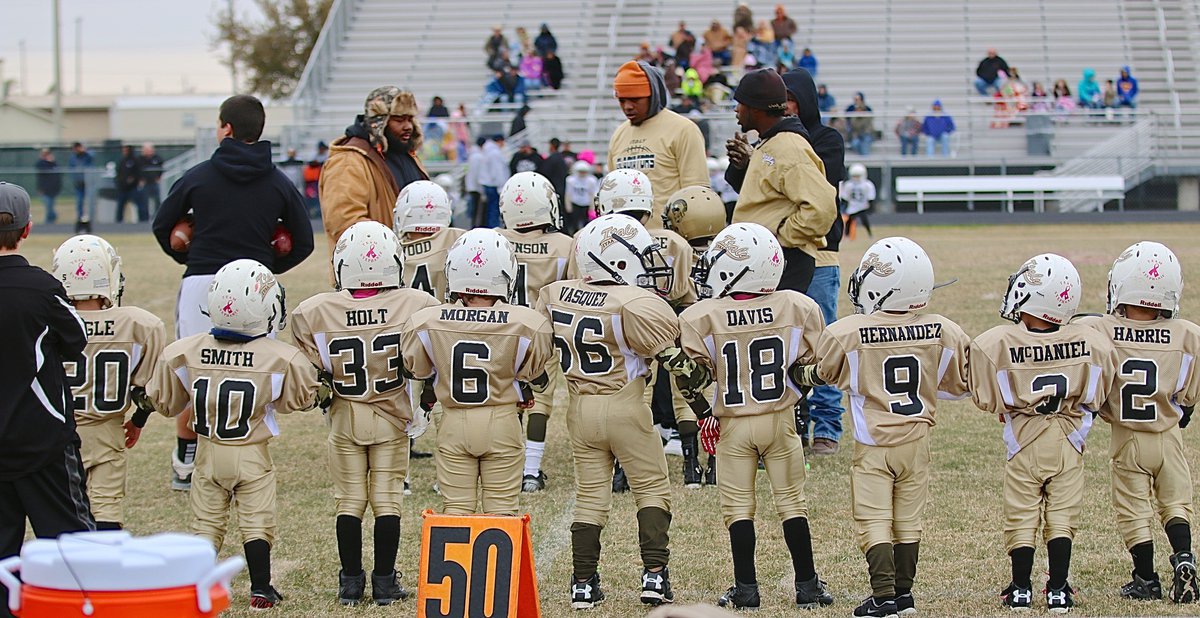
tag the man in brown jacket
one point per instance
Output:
(784, 189)
(371, 163)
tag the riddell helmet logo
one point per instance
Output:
(478, 260)
(732, 249)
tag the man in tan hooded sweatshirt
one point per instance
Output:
(363, 175)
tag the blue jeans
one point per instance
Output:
(493, 206)
(825, 402)
(942, 141)
(908, 145)
(983, 86)
(861, 143)
(51, 216)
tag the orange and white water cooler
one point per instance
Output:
(114, 574)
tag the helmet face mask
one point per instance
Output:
(367, 257)
(528, 200)
(482, 263)
(617, 249)
(744, 258)
(423, 207)
(89, 269)
(1147, 275)
(1046, 287)
(895, 275)
(246, 298)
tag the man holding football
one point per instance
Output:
(235, 205)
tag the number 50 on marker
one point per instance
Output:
(476, 566)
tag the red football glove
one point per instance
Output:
(710, 434)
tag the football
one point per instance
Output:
(281, 241)
(181, 235)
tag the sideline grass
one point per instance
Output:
(962, 566)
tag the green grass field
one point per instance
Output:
(963, 565)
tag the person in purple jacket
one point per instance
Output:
(937, 128)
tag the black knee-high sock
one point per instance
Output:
(349, 542)
(799, 542)
(387, 542)
(741, 544)
(1022, 566)
(1179, 532)
(258, 562)
(1059, 553)
(108, 525)
(185, 449)
(1143, 560)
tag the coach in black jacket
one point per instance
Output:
(236, 200)
(41, 474)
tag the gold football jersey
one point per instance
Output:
(748, 346)
(1037, 379)
(124, 344)
(477, 355)
(237, 389)
(541, 260)
(1156, 371)
(606, 333)
(425, 262)
(358, 341)
(895, 367)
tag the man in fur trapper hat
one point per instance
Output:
(371, 163)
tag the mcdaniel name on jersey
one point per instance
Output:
(1049, 352)
(889, 334)
(1160, 336)
(490, 316)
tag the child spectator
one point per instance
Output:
(909, 132)
(1127, 89)
(808, 62)
(937, 128)
(1088, 91)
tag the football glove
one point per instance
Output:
(1187, 416)
(526, 396)
(428, 396)
(689, 376)
(324, 389)
(144, 406)
(805, 376)
(710, 434)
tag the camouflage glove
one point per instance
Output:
(805, 376)
(144, 406)
(690, 377)
(324, 390)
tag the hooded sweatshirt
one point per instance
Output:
(1127, 87)
(236, 198)
(1088, 90)
(667, 147)
(785, 189)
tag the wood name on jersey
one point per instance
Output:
(750, 317)
(582, 297)
(99, 328)
(1142, 335)
(226, 358)
(890, 334)
(1049, 352)
(490, 316)
(366, 317)
(420, 247)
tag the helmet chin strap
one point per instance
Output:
(615, 275)
(736, 278)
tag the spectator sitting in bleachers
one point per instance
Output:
(552, 71)
(741, 42)
(743, 17)
(545, 43)
(909, 132)
(531, 71)
(718, 40)
(1109, 95)
(937, 128)
(1064, 103)
(987, 74)
(1088, 91)
(783, 27)
(702, 62)
(520, 46)
(505, 87)
(825, 101)
(645, 55)
(1039, 101)
(501, 61)
(1127, 89)
(692, 87)
(862, 126)
(494, 44)
(786, 56)
(763, 45)
(1015, 90)
(682, 43)
(808, 62)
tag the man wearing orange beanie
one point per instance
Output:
(654, 140)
